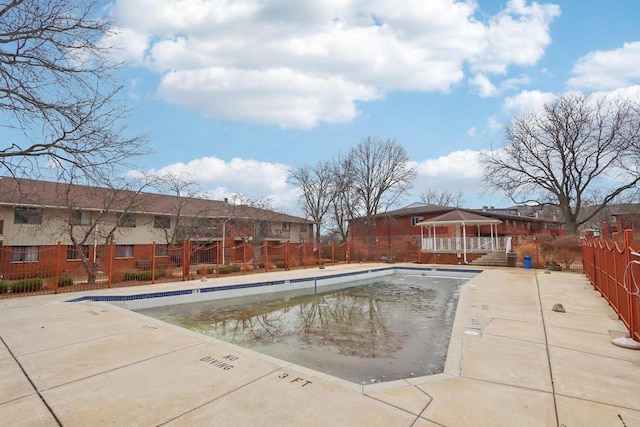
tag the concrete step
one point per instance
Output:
(494, 259)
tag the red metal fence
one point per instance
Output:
(62, 268)
(612, 268)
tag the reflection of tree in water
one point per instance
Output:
(249, 325)
(348, 324)
(353, 322)
(357, 321)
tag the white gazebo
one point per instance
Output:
(459, 220)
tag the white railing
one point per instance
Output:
(456, 244)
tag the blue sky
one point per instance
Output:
(236, 92)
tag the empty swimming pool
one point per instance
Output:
(374, 330)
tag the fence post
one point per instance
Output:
(304, 255)
(153, 263)
(286, 255)
(57, 278)
(244, 257)
(111, 256)
(628, 243)
(348, 253)
(333, 253)
(186, 260)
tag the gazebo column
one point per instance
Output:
(493, 248)
(464, 242)
(435, 240)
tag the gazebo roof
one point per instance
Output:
(459, 217)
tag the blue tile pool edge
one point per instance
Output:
(150, 295)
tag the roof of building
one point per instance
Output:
(417, 209)
(62, 195)
(459, 216)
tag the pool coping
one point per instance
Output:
(254, 285)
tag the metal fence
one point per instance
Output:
(62, 268)
(612, 268)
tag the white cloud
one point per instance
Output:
(301, 100)
(486, 88)
(251, 178)
(494, 124)
(456, 171)
(458, 164)
(483, 85)
(126, 44)
(472, 132)
(517, 35)
(297, 64)
(611, 69)
(526, 100)
(630, 92)
(514, 83)
(459, 171)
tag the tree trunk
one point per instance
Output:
(572, 228)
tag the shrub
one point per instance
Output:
(228, 269)
(564, 250)
(65, 281)
(143, 276)
(24, 285)
(281, 264)
(528, 248)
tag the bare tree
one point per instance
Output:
(58, 94)
(346, 200)
(185, 191)
(442, 198)
(575, 150)
(97, 226)
(317, 191)
(379, 173)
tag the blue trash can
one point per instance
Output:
(527, 261)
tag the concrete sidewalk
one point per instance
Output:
(512, 362)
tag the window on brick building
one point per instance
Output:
(24, 253)
(75, 253)
(124, 251)
(162, 250)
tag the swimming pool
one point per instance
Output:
(392, 326)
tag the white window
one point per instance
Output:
(24, 254)
(162, 250)
(75, 253)
(27, 215)
(162, 221)
(126, 220)
(415, 220)
(124, 251)
(80, 217)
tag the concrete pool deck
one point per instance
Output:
(512, 361)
